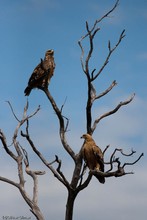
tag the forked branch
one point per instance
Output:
(111, 112)
(92, 75)
(91, 32)
(115, 160)
(55, 172)
(62, 125)
(34, 175)
(18, 156)
(111, 50)
(116, 171)
(114, 83)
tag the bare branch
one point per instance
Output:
(4, 142)
(33, 204)
(20, 123)
(114, 83)
(109, 55)
(63, 128)
(113, 160)
(13, 111)
(34, 208)
(47, 164)
(82, 173)
(18, 158)
(105, 16)
(86, 182)
(9, 181)
(128, 155)
(99, 20)
(20, 170)
(118, 173)
(77, 171)
(109, 173)
(106, 149)
(111, 112)
(63, 105)
(26, 161)
(25, 117)
(33, 174)
(60, 172)
(120, 169)
(126, 164)
(82, 55)
(91, 33)
(54, 161)
(67, 123)
(24, 113)
(91, 37)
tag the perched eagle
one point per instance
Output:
(42, 74)
(93, 156)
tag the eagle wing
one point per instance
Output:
(42, 74)
(93, 157)
(98, 157)
(37, 74)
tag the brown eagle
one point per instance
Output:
(42, 74)
(93, 156)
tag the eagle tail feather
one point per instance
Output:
(101, 179)
(27, 91)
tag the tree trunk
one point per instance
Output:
(36, 211)
(70, 205)
(34, 207)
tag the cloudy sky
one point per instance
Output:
(28, 29)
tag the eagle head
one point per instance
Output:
(49, 52)
(86, 136)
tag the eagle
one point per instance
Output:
(42, 74)
(93, 156)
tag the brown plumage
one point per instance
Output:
(42, 74)
(93, 156)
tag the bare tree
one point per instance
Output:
(79, 181)
(20, 156)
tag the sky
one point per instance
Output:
(28, 29)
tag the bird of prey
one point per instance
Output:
(93, 156)
(42, 74)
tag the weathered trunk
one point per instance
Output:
(36, 211)
(70, 205)
(34, 207)
(73, 191)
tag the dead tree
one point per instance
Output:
(20, 156)
(79, 181)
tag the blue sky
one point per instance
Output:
(28, 29)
